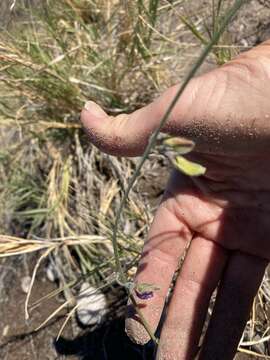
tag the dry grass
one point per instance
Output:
(55, 187)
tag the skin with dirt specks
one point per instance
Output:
(224, 214)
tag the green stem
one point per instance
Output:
(226, 20)
(143, 320)
(122, 278)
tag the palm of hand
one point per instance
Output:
(223, 215)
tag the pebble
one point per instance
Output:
(25, 284)
(5, 330)
(91, 306)
(51, 272)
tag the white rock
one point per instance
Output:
(25, 284)
(51, 272)
(91, 305)
(5, 330)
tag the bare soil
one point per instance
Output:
(18, 340)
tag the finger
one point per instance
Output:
(167, 240)
(208, 102)
(238, 287)
(128, 134)
(196, 282)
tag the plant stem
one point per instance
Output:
(143, 320)
(226, 20)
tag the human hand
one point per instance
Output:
(225, 213)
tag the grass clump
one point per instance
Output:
(55, 185)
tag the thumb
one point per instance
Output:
(128, 134)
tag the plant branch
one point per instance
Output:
(226, 20)
(143, 320)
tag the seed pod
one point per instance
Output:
(180, 145)
(188, 167)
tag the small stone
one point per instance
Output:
(91, 306)
(5, 330)
(51, 273)
(25, 284)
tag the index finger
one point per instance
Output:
(167, 240)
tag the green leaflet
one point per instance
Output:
(144, 287)
(180, 145)
(188, 167)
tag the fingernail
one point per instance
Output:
(134, 329)
(136, 332)
(94, 109)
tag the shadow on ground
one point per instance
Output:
(106, 343)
